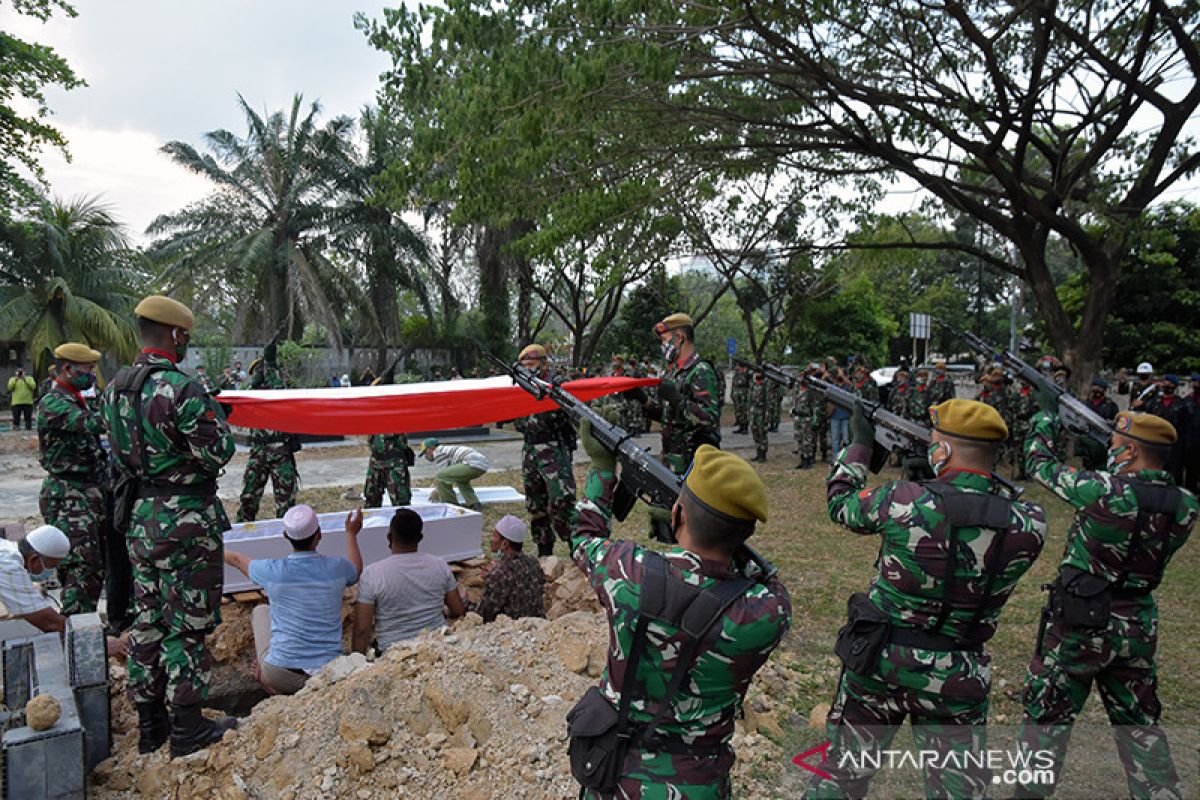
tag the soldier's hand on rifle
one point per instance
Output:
(1046, 399)
(861, 430)
(669, 392)
(601, 458)
(1093, 451)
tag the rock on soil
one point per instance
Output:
(42, 712)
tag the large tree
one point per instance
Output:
(68, 274)
(259, 240)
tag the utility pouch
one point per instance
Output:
(596, 748)
(410, 456)
(124, 495)
(1080, 599)
(862, 638)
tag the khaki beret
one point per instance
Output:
(968, 419)
(255, 364)
(78, 353)
(165, 311)
(726, 484)
(532, 351)
(674, 321)
(1148, 428)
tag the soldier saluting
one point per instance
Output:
(170, 441)
(1101, 623)
(951, 553)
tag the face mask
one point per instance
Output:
(181, 348)
(670, 350)
(921, 381)
(1097, 395)
(82, 380)
(1169, 389)
(1112, 464)
(936, 465)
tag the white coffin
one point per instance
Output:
(451, 532)
(488, 495)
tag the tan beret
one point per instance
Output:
(165, 311)
(728, 485)
(532, 351)
(1148, 428)
(78, 353)
(968, 419)
(678, 320)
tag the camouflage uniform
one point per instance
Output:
(175, 539)
(919, 402)
(742, 381)
(696, 421)
(703, 710)
(273, 457)
(898, 399)
(72, 496)
(1120, 658)
(806, 420)
(388, 469)
(636, 418)
(941, 388)
(513, 587)
(548, 477)
(760, 414)
(1024, 406)
(943, 691)
(774, 405)
(866, 389)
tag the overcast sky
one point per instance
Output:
(159, 70)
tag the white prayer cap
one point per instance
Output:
(511, 528)
(49, 541)
(300, 522)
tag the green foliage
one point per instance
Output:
(296, 362)
(26, 69)
(853, 320)
(67, 273)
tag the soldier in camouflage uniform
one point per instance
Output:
(1130, 520)
(272, 453)
(806, 421)
(742, 381)
(170, 442)
(387, 468)
(760, 409)
(546, 465)
(688, 754)
(929, 663)
(72, 497)
(864, 385)
(821, 418)
(1024, 405)
(637, 417)
(775, 405)
(941, 385)
(898, 397)
(918, 397)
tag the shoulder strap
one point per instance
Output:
(1153, 500)
(129, 381)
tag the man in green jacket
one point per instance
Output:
(22, 388)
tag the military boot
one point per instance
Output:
(545, 549)
(760, 455)
(191, 731)
(153, 726)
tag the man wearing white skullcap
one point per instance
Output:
(36, 556)
(300, 631)
(513, 586)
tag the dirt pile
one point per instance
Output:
(475, 712)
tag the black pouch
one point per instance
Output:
(1080, 599)
(597, 753)
(410, 456)
(862, 638)
(124, 495)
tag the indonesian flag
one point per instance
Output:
(405, 407)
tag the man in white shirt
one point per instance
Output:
(458, 466)
(403, 594)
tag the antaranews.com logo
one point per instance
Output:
(1008, 767)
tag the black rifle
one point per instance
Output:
(1074, 413)
(769, 371)
(642, 476)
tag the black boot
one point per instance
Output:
(191, 731)
(545, 549)
(153, 726)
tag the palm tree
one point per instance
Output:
(259, 240)
(68, 273)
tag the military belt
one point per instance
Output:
(927, 640)
(151, 489)
(669, 744)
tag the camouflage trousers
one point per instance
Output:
(663, 776)
(392, 475)
(759, 422)
(549, 493)
(945, 697)
(741, 408)
(277, 463)
(806, 440)
(1121, 662)
(78, 510)
(634, 419)
(175, 544)
(776, 410)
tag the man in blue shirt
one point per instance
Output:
(300, 631)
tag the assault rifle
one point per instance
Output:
(641, 476)
(1074, 413)
(769, 371)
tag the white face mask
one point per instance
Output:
(936, 464)
(670, 350)
(1113, 464)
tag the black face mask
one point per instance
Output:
(1168, 389)
(1097, 395)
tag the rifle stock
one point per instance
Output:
(642, 477)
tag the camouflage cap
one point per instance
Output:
(532, 351)
(165, 311)
(1148, 428)
(968, 419)
(78, 353)
(727, 485)
(677, 320)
